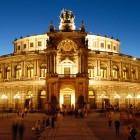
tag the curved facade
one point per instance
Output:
(68, 68)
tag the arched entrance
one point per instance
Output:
(42, 99)
(92, 99)
(29, 100)
(67, 98)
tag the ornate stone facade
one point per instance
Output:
(68, 67)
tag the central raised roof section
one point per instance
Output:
(37, 43)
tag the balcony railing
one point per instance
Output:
(66, 75)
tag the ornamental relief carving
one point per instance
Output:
(62, 58)
(67, 46)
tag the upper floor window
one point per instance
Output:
(115, 72)
(18, 71)
(91, 71)
(125, 73)
(102, 45)
(103, 71)
(0, 73)
(114, 48)
(24, 46)
(18, 47)
(108, 46)
(39, 43)
(30, 71)
(43, 70)
(133, 74)
(94, 44)
(31, 44)
(8, 72)
(66, 70)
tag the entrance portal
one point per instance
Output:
(67, 98)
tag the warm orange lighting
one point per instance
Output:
(117, 96)
(129, 96)
(4, 96)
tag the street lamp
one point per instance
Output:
(16, 97)
(4, 97)
(129, 97)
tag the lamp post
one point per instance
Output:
(4, 98)
(129, 97)
(16, 97)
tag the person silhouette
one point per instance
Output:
(14, 129)
(21, 129)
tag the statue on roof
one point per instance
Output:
(66, 16)
(66, 20)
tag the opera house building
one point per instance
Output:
(68, 68)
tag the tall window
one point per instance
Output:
(30, 71)
(115, 72)
(39, 43)
(24, 46)
(125, 73)
(102, 45)
(8, 73)
(103, 71)
(18, 71)
(43, 70)
(66, 70)
(133, 74)
(0, 73)
(91, 71)
(18, 47)
(31, 44)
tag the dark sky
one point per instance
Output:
(117, 18)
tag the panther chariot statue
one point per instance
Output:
(66, 20)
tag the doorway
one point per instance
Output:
(67, 98)
(67, 101)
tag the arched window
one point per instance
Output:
(18, 71)
(133, 74)
(43, 70)
(103, 71)
(30, 71)
(115, 72)
(125, 73)
(0, 73)
(8, 73)
(91, 71)
(43, 94)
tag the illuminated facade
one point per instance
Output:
(68, 67)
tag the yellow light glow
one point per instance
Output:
(129, 96)
(4, 96)
(117, 96)
(73, 99)
(138, 96)
(61, 100)
(16, 96)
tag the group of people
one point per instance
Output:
(132, 132)
(18, 128)
(117, 124)
(41, 125)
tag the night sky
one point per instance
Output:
(117, 18)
